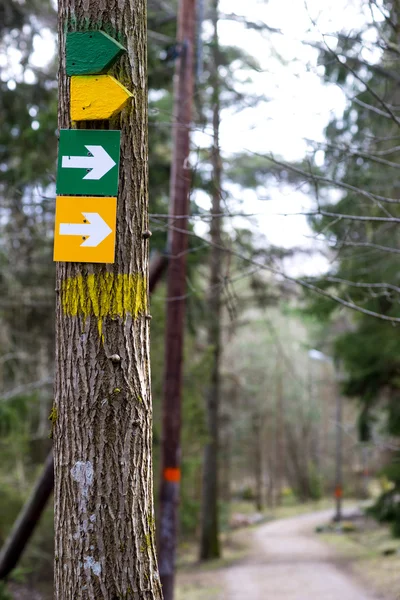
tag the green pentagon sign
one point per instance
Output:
(88, 162)
(91, 52)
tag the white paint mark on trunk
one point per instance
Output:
(82, 473)
(90, 563)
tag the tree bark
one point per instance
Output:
(209, 544)
(258, 461)
(104, 522)
(339, 457)
(176, 289)
(32, 510)
(280, 444)
(226, 459)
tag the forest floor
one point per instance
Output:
(286, 560)
(283, 558)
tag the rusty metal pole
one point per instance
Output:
(176, 289)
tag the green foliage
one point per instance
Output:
(395, 527)
(364, 424)
(316, 484)
(11, 502)
(365, 270)
(247, 494)
(18, 417)
(37, 561)
(4, 593)
(387, 508)
(189, 514)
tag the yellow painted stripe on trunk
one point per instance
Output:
(104, 295)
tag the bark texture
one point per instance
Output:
(339, 456)
(32, 510)
(176, 288)
(209, 544)
(279, 438)
(104, 523)
(258, 440)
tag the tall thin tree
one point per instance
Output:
(209, 544)
(279, 434)
(176, 289)
(104, 523)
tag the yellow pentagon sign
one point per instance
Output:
(85, 229)
(95, 97)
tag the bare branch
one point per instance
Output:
(363, 218)
(26, 389)
(302, 282)
(374, 109)
(360, 284)
(13, 355)
(371, 245)
(359, 153)
(258, 26)
(356, 59)
(340, 184)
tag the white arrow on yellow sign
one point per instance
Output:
(93, 230)
(85, 229)
(97, 97)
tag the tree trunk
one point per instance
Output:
(279, 446)
(33, 508)
(226, 460)
(176, 288)
(339, 456)
(104, 522)
(258, 462)
(209, 545)
(270, 459)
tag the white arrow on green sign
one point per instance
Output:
(88, 162)
(97, 164)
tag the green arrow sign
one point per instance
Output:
(91, 52)
(88, 162)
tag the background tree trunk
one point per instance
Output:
(180, 184)
(279, 435)
(258, 461)
(104, 523)
(210, 545)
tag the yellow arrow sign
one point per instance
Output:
(85, 229)
(95, 97)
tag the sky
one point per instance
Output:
(299, 106)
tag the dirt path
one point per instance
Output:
(290, 563)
